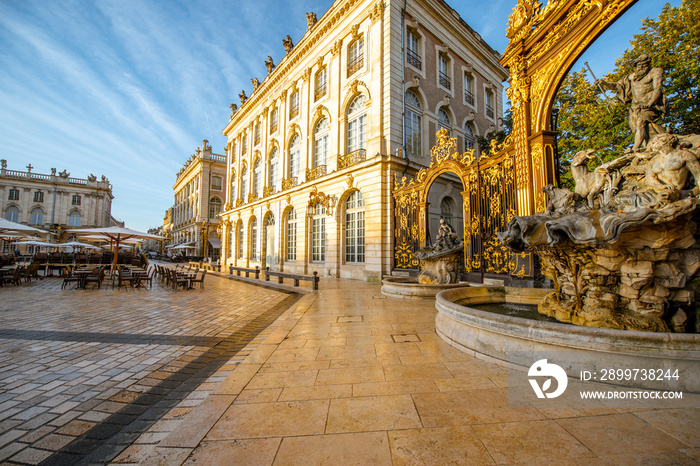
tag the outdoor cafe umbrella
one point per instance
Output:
(116, 234)
(76, 244)
(10, 228)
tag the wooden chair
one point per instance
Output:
(15, 277)
(124, 277)
(96, 277)
(176, 281)
(32, 272)
(199, 280)
(146, 278)
(70, 277)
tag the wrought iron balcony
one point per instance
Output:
(356, 64)
(489, 111)
(313, 173)
(289, 183)
(468, 97)
(413, 59)
(445, 80)
(353, 158)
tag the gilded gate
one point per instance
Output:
(488, 200)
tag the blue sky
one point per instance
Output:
(129, 88)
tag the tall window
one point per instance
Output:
(356, 56)
(357, 124)
(244, 183)
(318, 234)
(321, 132)
(74, 219)
(241, 249)
(36, 216)
(444, 71)
(244, 143)
(274, 120)
(232, 192)
(254, 252)
(274, 168)
(355, 228)
(13, 195)
(214, 207)
(489, 104)
(469, 138)
(412, 123)
(232, 244)
(321, 81)
(12, 214)
(257, 133)
(216, 183)
(294, 104)
(294, 156)
(257, 178)
(444, 121)
(75, 200)
(413, 50)
(468, 89)
(292, 235)
(446, 210)
(38, 196)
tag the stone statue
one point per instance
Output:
(64, 174)
(643, 89)
(3, 164)
(53, 171)
(441, 263)
(288, 44)
(104, 179)
(92, 178)
(243, 97)
(256, 83)
(446, 237)
(270, 64)
(310, 20)
(234, 109)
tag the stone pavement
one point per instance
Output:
(342, 376)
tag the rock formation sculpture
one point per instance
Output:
(440, 263)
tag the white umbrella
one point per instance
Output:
(183, 246)
(77, 244)
(36, 243)
(116, 234)
(7, 226)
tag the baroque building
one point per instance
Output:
(55, 201)
(313, 152)
(200, 190)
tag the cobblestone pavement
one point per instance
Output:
(85, 373)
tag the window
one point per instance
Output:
(292, 235)
(13, 195)
(214, 207)
(321, 83)
(357, 124)
(412, 124)
(321, 142)
(274, 168)
(12, 214)
(469, 138)
(233, 152)
(244, 183)
(294, 156)
(468, 89)
(257, 133)
(231, 244)
(232, 192)
(356, 56)
(318, 234)
(294, 104)
(38, 196)
(254, 240)
(444, 71)
(75, 200)
(444, 121)
(216, 183)
(413, 50)
(274, 120)
(240, 240)
(74, 219)
(446, 210)
(489, 104)
(355, 228)
(244, 143)
(257, 178)
(36, 217)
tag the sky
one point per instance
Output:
(130, 88)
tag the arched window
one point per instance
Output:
(446, 210)
(357, 124)
(239, 233)
(74, 219)
(412, 123)
(257, 178)
(469, 138)
(214, 207)
(244, 183)
(321, 132)
(318, 234)
(294, 104)
(274, 168)
(355, 228)
(292, 235)
(444, 121)
(294, 155)
(12, 214)
(254, 250)
(268, 239)
(36, 216)
(232, 191)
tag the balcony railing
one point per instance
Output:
(489, 111)
(252, 197)
(289, 183)
(268, 191)
(320, 92)
(468, 97)
(313, 173)
(445, 80)
(413, 59)
(353, 158)
(356, 64)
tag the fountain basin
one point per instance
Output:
(409, 288)
(507, 339)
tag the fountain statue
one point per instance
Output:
(623, 249)
(440, 262)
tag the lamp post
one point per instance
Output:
(204, 237)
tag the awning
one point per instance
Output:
(214, 240)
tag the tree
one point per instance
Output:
(507, 125)
(672, 41)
